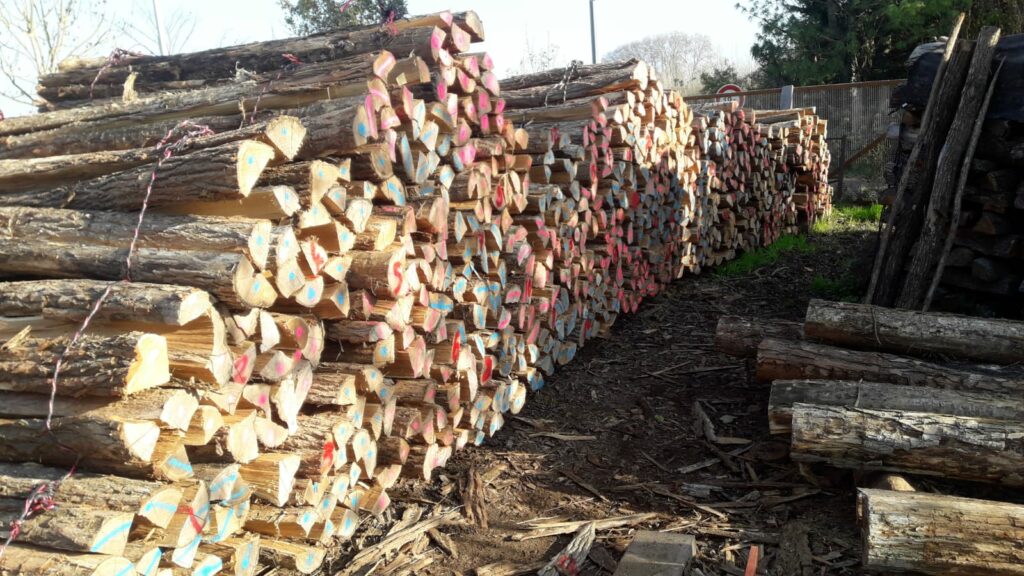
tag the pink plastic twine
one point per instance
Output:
(116, 58)
(41, 498)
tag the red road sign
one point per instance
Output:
(731, 89)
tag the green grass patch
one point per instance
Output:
(754, 259)
(847, 215)
(843, 289)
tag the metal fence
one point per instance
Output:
(858, 114)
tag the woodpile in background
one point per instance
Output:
(356, 262)
(955, 236)
(929, 395)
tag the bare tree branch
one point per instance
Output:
(35, 35)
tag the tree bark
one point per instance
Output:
(70, 527)
(879, 396)
(959, 447)
(937, 534)
(107, 366)
(741, 337)
(782, 360)
(225, 172)
(208, 253)
(907, 213)
(936, 222)
(284, 133)
(112, 446)
(906, 332)
(26, 560)
(72, 300)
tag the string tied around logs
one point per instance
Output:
(117, 57)
(42, 497)
(291, 62)
(572, 69)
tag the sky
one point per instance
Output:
(509, 25)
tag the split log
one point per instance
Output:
(741, 337)
(878, 396)
(71, 527)
(786, 360)
(901, 532)
(914, 442)
(906, 332)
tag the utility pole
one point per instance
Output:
(593, 37)
(159, 28)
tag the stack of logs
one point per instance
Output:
(351, 263)
(929, 394)
(955, 236)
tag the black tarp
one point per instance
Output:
(1008, 100)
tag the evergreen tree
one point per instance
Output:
(806, 42)
(305, 17)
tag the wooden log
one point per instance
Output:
(71, 527)
(901, 529)
(27, 560)
(258, 58)
(208, 253)
(879, 396)
(284, 133)
(926, 255)
(272, 476)
(291, 556)
(916, 182)
(960, 447)
(225, 172)
(787, 360)
(152, 501)
(741, 337)
(106, 366)
(905, 332)
(72, 300)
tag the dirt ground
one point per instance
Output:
(629, 400)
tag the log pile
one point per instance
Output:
(959, 241)
(929, 395)
(352, 263)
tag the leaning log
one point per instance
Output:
(908, 332)
(789, 360)
(937, 534)
(914, 442)
(879, 396)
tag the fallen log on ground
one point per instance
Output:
(937, 534)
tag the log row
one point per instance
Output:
(929, 395)
(384, 264)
